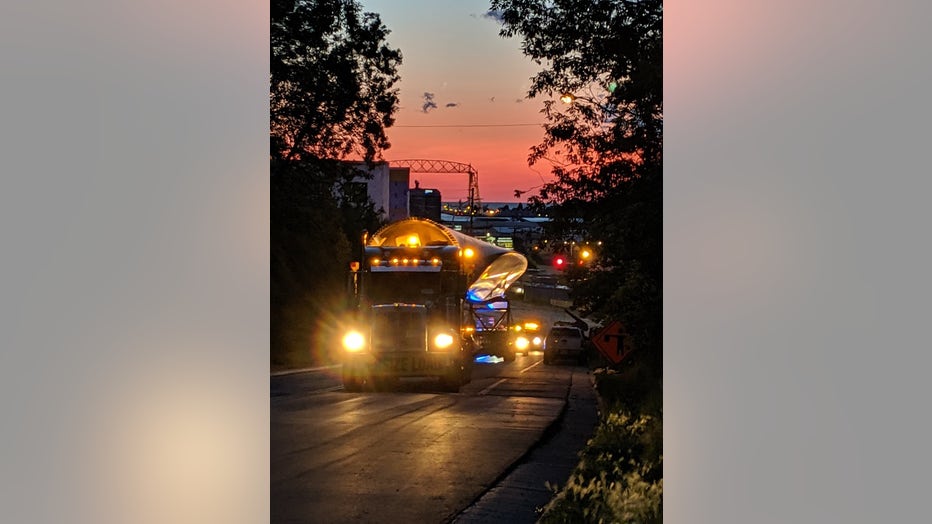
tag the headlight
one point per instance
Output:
(521, 343)
(443, 340)
(537, 341)
(354, 341)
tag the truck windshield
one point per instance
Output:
(403, 287)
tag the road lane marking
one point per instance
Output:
(486, 390)
(304, 370)
(532, 365)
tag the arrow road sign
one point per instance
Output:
(612, 341)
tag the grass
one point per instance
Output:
(619, 477)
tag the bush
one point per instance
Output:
(632, 388)
(619, 477)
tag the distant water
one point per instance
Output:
(491, 205)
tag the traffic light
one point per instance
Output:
(559, 262)
(586, 256)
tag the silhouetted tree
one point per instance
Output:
(604, 140)
(331, 96)
(332, 80)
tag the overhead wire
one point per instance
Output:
(470, 125)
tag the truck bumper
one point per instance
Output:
(417, 364)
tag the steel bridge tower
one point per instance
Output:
(473, 202)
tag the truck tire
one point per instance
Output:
(467, 371)
(353, 379)
(385, 384)
(456, 378)
(450, 385)
(509, 356)
(351, 384)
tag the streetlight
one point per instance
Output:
(568, 98)
(603, 103)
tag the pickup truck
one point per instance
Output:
(563, 341)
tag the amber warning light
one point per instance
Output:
(354, 265)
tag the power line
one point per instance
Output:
(474, 125)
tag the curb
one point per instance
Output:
(520, 492)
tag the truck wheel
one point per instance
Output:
(466, 373)
(354, 379)
(351, 384)
(385, 384)
(509, 356)
(450, 384)
(455, 379)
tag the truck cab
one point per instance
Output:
(401, 341)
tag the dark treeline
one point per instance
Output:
(602, 79)
(602, 84)
(332, 95)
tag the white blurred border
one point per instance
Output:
(795, 261)
(134, 215)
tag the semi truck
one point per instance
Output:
(414, 292)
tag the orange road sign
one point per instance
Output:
(612, 341)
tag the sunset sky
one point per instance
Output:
(452, 51)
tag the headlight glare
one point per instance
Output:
(522, 343)
(354, 341)
(443, 340)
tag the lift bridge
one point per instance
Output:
(473, 203)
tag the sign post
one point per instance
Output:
(612, 341)
(354, 267)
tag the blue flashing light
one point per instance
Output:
(488, 359)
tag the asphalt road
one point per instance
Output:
(412, 455)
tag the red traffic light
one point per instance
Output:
(559, 262)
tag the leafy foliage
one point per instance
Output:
(605, 146)
(332, 95)
(619, 477)
(308, 255)
(332, 80)
(604, 139)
